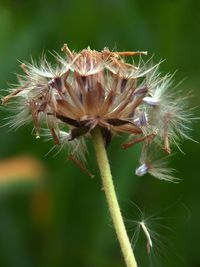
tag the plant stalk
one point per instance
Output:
(111, 197)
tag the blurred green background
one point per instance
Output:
(51, 214)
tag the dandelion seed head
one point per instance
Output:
(87, 89)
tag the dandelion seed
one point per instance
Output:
(153, 227)
(155, 167)
(142, 120)
(141, 170)
(148, 237)
(150, 101)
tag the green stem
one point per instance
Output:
(111, 197)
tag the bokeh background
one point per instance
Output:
(52, 214)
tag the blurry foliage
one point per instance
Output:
(63, 219)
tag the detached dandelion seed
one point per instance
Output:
(149, 234)
(92, 94)
(148, 237)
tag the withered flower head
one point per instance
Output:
(92, 89)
